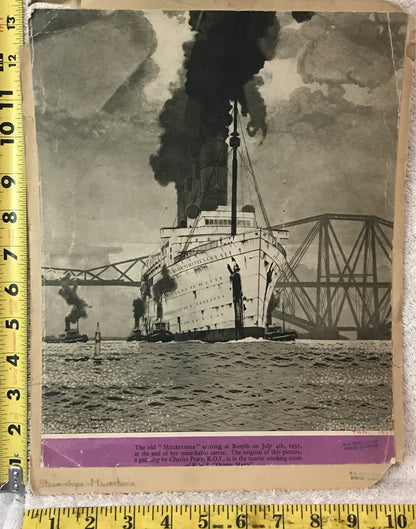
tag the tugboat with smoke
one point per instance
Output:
(136, 334)
(159, 329)
(213, 278)
(68, 291)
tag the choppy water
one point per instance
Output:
(194, 386)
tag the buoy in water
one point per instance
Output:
(97, 339)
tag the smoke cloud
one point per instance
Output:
(221, 64)
(179, 139)
(228, 50)
(349, 48)
(138, 310)
(255, 106)
(164, 285)
(302, 16)
(68, 291)
(343, 123)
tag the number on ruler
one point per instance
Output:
(277, 517)
(6, 128)
(203, 521)
(9, 216)
(315, 520)
(129, 522)
(401, 521)
(14, 428)
(7, 181)
(13, 394)
(352, 520)
(241, 521)
(11, 21)
(12, 289)
(12, 324)
(12, 359)
(12, 60)
(6, 253)
(6, 93)
(90, 520)
(165, 522)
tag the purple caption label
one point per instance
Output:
(222, 450)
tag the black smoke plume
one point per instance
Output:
(302, 16)
(256, 106)
(164, 285)
(228, 49)
(221, 64)
(138, 310)
(68, 291)
(177, 143)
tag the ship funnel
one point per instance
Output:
(192, 211)
(213, 174)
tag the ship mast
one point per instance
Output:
(234, 144)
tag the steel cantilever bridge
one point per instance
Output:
(337, 280)
(123, 274)
(339, 277)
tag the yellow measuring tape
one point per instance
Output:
(13, 248)
(225, 517)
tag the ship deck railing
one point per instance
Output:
(214, 244)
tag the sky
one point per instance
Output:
(100, 80)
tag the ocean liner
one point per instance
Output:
(213, 277)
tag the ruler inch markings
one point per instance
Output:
(13, 249)
(188, 517)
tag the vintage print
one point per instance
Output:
(216, 200)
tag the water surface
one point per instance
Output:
(193, 386)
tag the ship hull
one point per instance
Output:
(160, 336)
(201, 307)
(82, 338)
(220, 335)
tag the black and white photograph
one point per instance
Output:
(217, 197)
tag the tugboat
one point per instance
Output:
(69, 336)
(279, 334)
(135, 335)
(160, 333)
(275, 333)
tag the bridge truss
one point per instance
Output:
(123, 273)
(339, 277)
